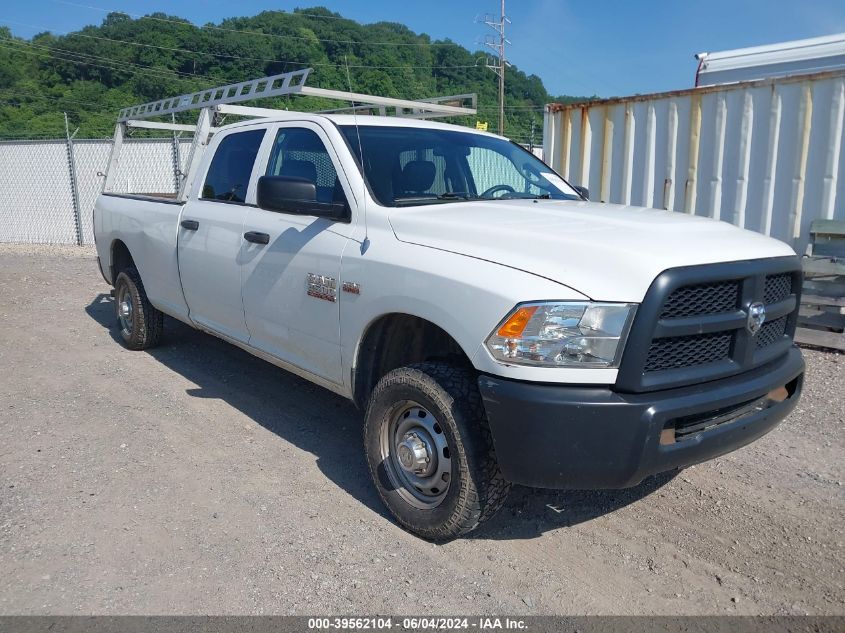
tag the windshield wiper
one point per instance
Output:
(432, 199)
(455, 195)
(448, 196)
(523, 196)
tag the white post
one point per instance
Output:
(195, 154)
(114, 157)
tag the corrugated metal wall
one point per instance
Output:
(764, 155)
(36, 190)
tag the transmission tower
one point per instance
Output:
(497, 44)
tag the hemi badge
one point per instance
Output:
(322, 287)
(351, 287)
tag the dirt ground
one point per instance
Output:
(196, 479)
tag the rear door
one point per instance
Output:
(291, 284)
(211, 235)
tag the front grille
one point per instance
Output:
(778, 288)
(689, 427)
(685, 351)
(771, 332)
(721, 296)
(693, 323)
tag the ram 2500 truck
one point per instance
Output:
(495, 325)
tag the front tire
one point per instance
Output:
(139, 322)
(430, 451)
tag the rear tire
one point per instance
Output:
(140, 324)
(430, 451)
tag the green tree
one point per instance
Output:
(95, 71)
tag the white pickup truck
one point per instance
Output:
(495, 326)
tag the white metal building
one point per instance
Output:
(765, 155)
(798, 57)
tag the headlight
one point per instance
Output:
(553, 334)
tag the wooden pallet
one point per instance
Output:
(828, 238)
(821, 318)
(820, 328)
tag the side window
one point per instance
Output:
(231, 167)
(299, 153)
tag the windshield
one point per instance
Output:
(407, 166)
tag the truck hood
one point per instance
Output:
(607, 252)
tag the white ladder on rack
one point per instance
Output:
(223, 100)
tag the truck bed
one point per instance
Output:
(148, 226)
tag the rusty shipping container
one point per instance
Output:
(765, 155)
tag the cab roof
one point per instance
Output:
(352, 119)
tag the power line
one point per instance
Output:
(227, 56)
(523, 108)
(103, 115)
(15, 102)
(11, 98)
(260, 33)
(63, 55)
(29, 95)
(159, 71)
(56, 49)
(143, 70)
(291, 13)
(58, 55)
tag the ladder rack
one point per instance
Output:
(272, 86)
(419, 110)
(293, 83)
(223, 100)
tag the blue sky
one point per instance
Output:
(579, 47)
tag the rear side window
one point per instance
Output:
(299, 153)
(231, 167)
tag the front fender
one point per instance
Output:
(463, 296)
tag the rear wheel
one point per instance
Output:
(430, 451)
(140, 323)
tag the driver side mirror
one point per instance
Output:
(298, 196)
(582, 191)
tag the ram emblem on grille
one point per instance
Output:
(756, 317)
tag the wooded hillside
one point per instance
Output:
(93, 72)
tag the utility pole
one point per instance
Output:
(499, 48)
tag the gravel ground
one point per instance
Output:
(198, 479)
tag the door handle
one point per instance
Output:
(257, 238)
(190, 225)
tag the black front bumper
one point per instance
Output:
(553, 436)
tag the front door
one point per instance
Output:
(291, 285)
(211, 237)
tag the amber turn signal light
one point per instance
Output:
(514, 326)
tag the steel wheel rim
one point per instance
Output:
(411, 432)
(125, 310)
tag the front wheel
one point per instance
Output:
(430, 451)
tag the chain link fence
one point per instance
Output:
(48, 187)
